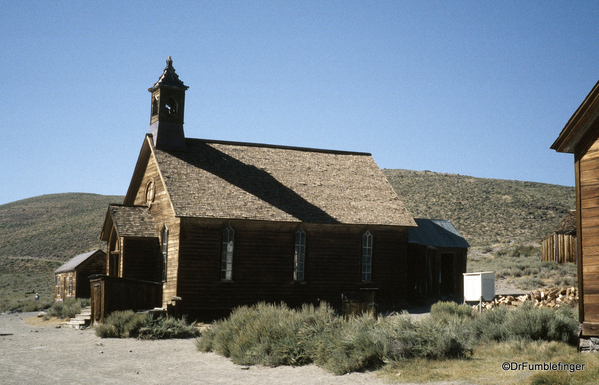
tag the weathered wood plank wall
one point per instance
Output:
(164, 216)
(109, 294)
(263, 262)
(588, 182)
(560, 248)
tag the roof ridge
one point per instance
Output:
(278, 146)
(126, 205)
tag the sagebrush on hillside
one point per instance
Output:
(485, 211)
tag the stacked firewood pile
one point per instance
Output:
(547, 297)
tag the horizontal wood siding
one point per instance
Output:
(94, 265)
(588, 182)
(110, 294)
(63, 282)
(263, 262)
(142, 259)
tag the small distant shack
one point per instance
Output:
(71, 279)
(437, 259)
(561, 245)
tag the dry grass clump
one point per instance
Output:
(485, 365)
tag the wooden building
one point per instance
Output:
(222, 224)
(580, 137)
(71, 280)
(437, 259)
(560, 246)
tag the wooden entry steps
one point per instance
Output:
(81, 320)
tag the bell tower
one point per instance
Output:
(167, 109)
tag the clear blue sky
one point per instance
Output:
(479, 88)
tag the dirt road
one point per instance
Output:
(49, 355)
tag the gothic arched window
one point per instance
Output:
(300, 255)
(226, 269)
(367, 257)
(164, 252)
(171, 106)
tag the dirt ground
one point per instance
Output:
(34, 352)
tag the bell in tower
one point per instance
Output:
(168, 106)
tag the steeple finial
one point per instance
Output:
(167, 109)
(169, 78)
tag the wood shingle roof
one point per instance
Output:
(568, 224)
(216, 179)
(76, 261)
(129, 221)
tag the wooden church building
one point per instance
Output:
(580, 137)
(209, 225)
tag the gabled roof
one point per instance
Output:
(437, 233)
(129, 221)
(568, 224)
(581, 128)
(216, 179)
(78, 260)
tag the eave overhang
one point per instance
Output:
(582, 126)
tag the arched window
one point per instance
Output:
(367, 257)
(226, 269)
(171, 106)
(164, 252)
(154, 105)
(300, 255)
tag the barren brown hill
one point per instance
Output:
(56, 226)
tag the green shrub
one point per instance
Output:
(428, 337)
(123, 324)
(117, 323)
(264, 334)
(148, 327)
(526, 323)
(441, 310)
(68, 308)
(275, 335)
(489, 325)
(107, 331)
(542, 324)
(353, 345)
